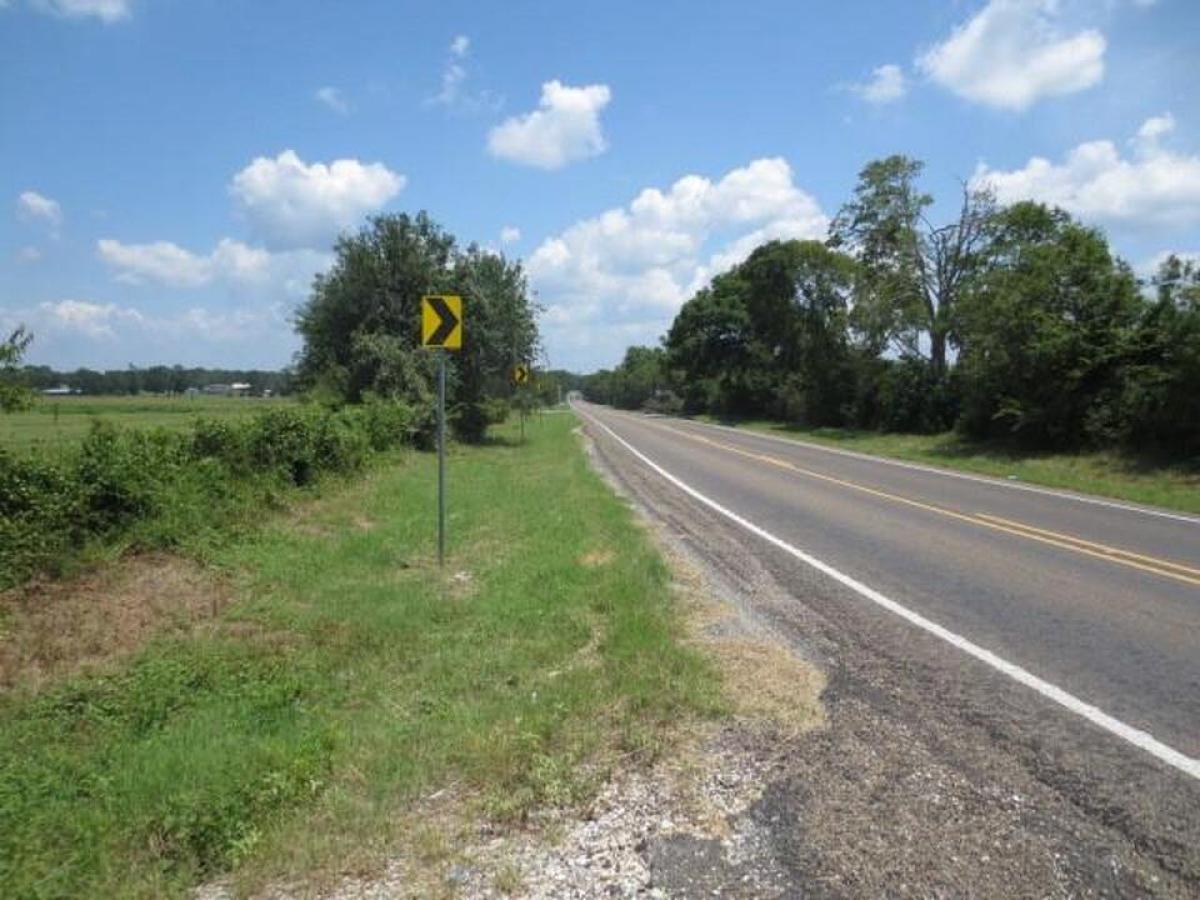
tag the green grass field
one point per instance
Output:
(292, 734)
(56, 421)
(1107, 474)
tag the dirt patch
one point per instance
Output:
(594, 559)
(54, 629)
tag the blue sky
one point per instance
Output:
(172, 172)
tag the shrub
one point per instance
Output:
(161, 488)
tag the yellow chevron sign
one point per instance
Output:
(441, 321)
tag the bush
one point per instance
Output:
(667, 403)
(161, 488)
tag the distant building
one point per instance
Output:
(218, 390)
(240, 389)
(61, 391)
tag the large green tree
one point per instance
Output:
(769, 336)
(1047, 326)
(361, 324)
(1160, 396)
(912, 273)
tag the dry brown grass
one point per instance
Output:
(764, 679)
(594, 559)
(54, 629)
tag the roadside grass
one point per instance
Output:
(54, 422)
(299, 734)
(1169, 485)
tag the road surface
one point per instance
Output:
(1061, 632)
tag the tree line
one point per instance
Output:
(1009, 323)
(152, 379)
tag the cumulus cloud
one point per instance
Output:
(104, 10)
(1153, 187)
(231, 262)
(564, 128)
(34, 207)
(510, 234)
(887, 85)
(291, 204)
(623, 274)
(108, 323)
(332, 98)
(1013, 53)
(93, 320)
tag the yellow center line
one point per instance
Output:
(1154, 565)
(1101, 548)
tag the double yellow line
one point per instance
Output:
(1154, 565)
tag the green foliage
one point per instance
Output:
(1158, 407)
(361, 325)
(352, 681)
(1046, 329)
(1016, 324)
(166, 380)
(911, 274)
(13, 396)
(769, 337)
(164, 488)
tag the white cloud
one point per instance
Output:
(564, 128)
(94, 320)
(1154, 187)
(104, 10)
(112, 322)
(624, 274)
(332, 98)
(887, 85)
(231, 262)
(1155, 127)
(29, 254)
(161, 261)
(34, 207)
(291, 204)
(510, 234)
(1013, 53)
(454, 93)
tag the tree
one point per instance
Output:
(1046, 328)
(361, 324)
(711, 346)
(798, 299)
(912, 274)
(769, 337)
(1160, 397)
(641, 374)
(13, 396)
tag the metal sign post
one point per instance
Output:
(520, 378)
(441, 329)
(441, 442)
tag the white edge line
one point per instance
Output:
(934, 470)
(1093, 714)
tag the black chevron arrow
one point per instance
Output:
(448, 324)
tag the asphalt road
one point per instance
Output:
(1023, 641)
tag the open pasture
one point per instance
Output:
(58, 421)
